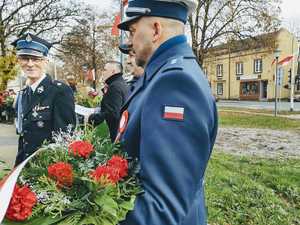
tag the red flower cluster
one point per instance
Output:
(93, 94)
(81, 148)
(115, 169)
(119, 164)
(62, 173)
(21, 204)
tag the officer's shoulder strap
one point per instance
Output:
(59, 84)
(174, 63)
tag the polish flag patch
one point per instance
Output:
(173, 113)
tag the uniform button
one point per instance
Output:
(25, 119)
(26, 155)
(26, 143)
(25, 131)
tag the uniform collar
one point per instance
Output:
(172, 48)
(37, 83)
(180, 39)
(113, 78)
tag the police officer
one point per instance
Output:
(169, 121)
(134, 70)
(115, 92)
(45, 105)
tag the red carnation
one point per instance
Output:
(21, 204)
(93, 94)
(81, 148)
(105, 174)
(119, 164)
(115, 170)
(62, 173)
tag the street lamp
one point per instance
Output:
(276, 56)
(292, 74)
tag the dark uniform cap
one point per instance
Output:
(124, 48)
(30, 44)
(174, 9)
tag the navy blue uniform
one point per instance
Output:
(171, 129)
(50, 109)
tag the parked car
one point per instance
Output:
(296, 98)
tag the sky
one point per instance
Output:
(290, 9)
(290, 13)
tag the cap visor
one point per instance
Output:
(124, 49)
(30, 52)
(127, 22)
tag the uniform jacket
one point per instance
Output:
(51, 109)
(115, 93)
(173, 153)
(132, 83)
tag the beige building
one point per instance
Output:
(245, 70)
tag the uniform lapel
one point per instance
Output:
(154, 67)
(39, 93)
(139, 86)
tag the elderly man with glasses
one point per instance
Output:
(44, 106)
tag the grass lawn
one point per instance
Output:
(242, 190)
(247, 190)
(235, 119)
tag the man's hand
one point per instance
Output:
(96, 119)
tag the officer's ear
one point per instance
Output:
(157, 27)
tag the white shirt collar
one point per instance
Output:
(37, 83)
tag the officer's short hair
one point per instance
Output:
(118, 64)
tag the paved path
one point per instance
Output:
(8, 143)
(292, 116)
(282, 106)
(259, 142)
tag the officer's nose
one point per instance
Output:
(30, 62)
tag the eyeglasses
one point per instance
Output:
(33, 59)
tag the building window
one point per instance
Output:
(239, 68)
(297, 83)
(219, 88)
(258, 67)
(220, 70)
(250, 88)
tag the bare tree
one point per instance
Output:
(89, 44)
(39, 16)
(216, 21)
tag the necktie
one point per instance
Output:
(28, 97)
(30, 94)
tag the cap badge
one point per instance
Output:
(28, 38)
